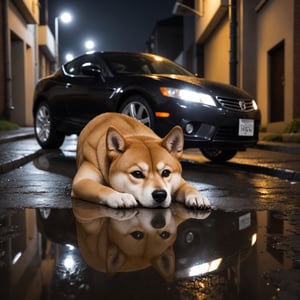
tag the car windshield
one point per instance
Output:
(142, 64)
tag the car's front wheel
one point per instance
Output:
(45, 132)
(217, 155)
(138, 108)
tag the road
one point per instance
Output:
(256, 203)
(46, 181)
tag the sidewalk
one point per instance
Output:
(13, 152)
(275, 159)
(17, 134)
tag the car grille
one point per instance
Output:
(236, 104)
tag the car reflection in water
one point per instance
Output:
(173, 253)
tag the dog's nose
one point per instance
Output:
(158, 221)
(159, 195)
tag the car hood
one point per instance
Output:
(207, 86)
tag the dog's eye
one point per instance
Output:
(165, 235)
(138, 174)
(137, 235)
(165, 173)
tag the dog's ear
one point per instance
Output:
(165, 264)
(174, 141)
(115, 142)
(115, 259)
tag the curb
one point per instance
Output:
(17, 163)
(13, 136)
(279, 147)
(286, 174)
(16, 137)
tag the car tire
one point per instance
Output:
(217, 155)
(44, 128)
(138, 108)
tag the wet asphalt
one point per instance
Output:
(275, 159)
(255, 249)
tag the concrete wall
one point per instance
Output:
(23, 60)
(216, 54)
(212, 32)
(261, 26)
(247, 68)
(275, 25)
(2, 62)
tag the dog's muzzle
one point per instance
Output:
(159, 195)
(158, 221)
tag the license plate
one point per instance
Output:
(246, 127)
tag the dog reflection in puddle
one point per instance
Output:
(121, 240)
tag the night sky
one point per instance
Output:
(123, 25)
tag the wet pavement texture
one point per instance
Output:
(247, 247)
(93, 253)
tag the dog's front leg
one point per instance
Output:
(87, 185)
(191, 197)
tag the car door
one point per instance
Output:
(86, 94)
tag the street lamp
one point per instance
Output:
(69, 56)
(65, 18)
(89, 45)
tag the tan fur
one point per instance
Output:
(123, 163)
(108, 242)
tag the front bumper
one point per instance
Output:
(213, 127)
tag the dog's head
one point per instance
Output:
(126, 240)
(115, 243)
(146, 167)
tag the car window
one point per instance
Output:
(128, 64)
(122, 63)
(75, 67)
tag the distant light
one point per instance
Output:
(69, 263)
(16, 258)
(158, 58)
(253, 239)
(89, 45)
(66, 17)
(69, 56)
(70, 247)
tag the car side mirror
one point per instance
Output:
(91, 70)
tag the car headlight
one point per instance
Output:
(188, 95)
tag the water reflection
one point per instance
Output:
(113, 240)
(96, 252)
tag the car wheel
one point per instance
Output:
(44, 128)
(217, 155)
(138, 108)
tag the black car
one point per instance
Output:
(217, 118)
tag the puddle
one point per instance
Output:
(93, 252)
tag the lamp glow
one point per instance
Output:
(89, 44)
(66, 17)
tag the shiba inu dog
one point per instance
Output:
(122, 240)
(123, 163)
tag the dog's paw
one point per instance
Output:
(197, 201)
(119, 214)
(185, 213)
(121, 200)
